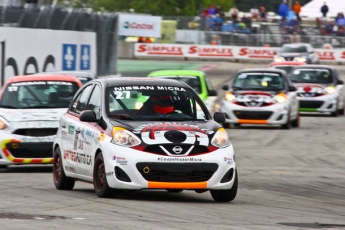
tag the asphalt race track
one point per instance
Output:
(288, 179)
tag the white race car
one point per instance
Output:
(105, 139)
(30, 110)
(319, 89)
(260, 96)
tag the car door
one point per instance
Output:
(211, 97)
(292, 97)
(73, 155)
(91, 130)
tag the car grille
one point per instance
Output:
(310, 104)
(310, 94)
(253, 115)
(289, 58)
(31, 150)
(262, 105)
(36, 132)
(197, 149)
(177, 172)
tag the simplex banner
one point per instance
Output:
(29, 51)
(224, 52)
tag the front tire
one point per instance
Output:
(296, 123)
(61, 181)
(287, 125)
(341, 111)
(226, 125)
(100, 182)
(335, 113)
(225, 195)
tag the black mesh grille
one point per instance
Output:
(197, 149)
(177, 172)
(36, 132)
(310, 104)
(262, 105)
(253, 115)
(31, 150)
(310, 94)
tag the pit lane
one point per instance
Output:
(288, 179)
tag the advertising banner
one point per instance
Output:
(29, 51)
(139, 25)
(225, 52)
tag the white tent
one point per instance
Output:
(313, 8)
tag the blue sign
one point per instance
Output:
(85, 57)
(69, 56)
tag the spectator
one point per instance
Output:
(295, 37)
(297, 9)
(212, 10)
(324, 10)
(204, 13)
(233, 13)
(255, 13)
(283, 9)
(339, 19)
(217, 22)
(285, 37)
(283, 24)
(219, 11)
(263, 14)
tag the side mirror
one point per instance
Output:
(340, 82)
(292, 88)
(88, 116)
(219, 117)
(225, 87)
(212, 93)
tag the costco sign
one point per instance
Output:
(139, 25)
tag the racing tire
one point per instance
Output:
(335, 113)
(175, 190)
(287, 125)
(295, 123)
(100, 182)
(341, 111)
(3, 166)
(226, 125)
(226, 195)
(61, 181)
(237, 124)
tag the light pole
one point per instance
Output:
(290, 4)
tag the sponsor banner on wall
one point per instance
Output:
(225, 52)
(29, 51)
(139, 25)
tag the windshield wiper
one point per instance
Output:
(236, 87)
(8, 107)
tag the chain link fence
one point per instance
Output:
(59, 18)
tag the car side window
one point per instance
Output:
(80, 102)
(208, 83)
(95, 101)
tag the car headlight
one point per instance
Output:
(138, 105)
(230, 96)
(221, 139)
(301, 59)
(280, 98)
(3, 124)
(279, 59)
(330, 90)
(123, 137)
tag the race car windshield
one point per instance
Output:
(287, 69)
(321, 76)
(38, 94)
(151, 102)
(293, 49)
(259, 81)
(192, 81)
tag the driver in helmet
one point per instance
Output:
(161, 105)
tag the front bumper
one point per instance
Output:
(276, 114)
(127, 168)
(326, 103)
(15, 150)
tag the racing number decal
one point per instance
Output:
(120, 93)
